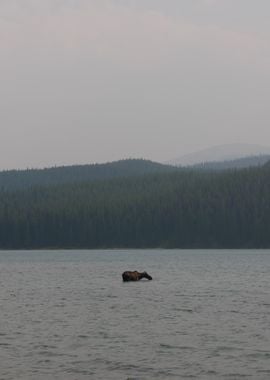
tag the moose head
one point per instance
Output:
(146, 275)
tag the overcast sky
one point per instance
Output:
(86, 81)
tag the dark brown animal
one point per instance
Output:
(135, 276)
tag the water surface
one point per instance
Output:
(68, 315)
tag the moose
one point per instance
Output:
(135, 276)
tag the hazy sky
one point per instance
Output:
(97, 80)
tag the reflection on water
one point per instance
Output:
(68, 315)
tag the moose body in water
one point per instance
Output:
(135, 276)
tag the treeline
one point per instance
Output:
(25, 179)
(187, 209)
(22, 179)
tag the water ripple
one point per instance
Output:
(67, 315)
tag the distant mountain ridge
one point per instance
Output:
(221, 153)
(240, 163)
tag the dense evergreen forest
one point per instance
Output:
(185, 209)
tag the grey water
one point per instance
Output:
(68, 315)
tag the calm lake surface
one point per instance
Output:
(68, 315)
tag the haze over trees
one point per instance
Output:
(165, 208)
(23, 179)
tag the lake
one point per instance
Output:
(68, 315)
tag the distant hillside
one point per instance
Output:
(21, 179)
(229, 152)
(240, 163)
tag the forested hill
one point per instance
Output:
(186, 209)
(19, 179)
